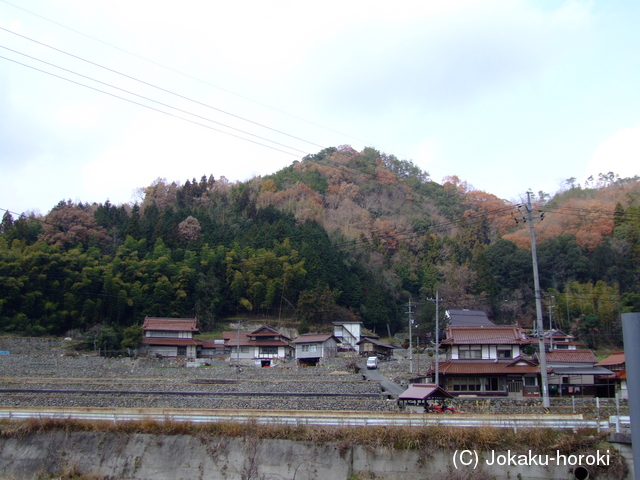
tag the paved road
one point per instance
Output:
(386, 384)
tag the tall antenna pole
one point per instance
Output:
(539, 325)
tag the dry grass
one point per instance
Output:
(423, 439)
(412, 438)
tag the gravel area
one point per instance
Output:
(45, 364)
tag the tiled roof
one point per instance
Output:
(266, 331)
(231, 340)
(581, 370)
(571, 356)
(375, 341)
(171, 324)
(313, 338)
(420, 391)
(484, 367)
(169, 341)
(468, 317)
(484, 335)
(211, 344)
(616, 358)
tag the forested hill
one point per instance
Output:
(341, 234)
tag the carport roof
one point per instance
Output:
(419, 391)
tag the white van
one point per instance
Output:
(372, 363)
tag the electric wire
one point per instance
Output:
(162, 89)
(148, 106)
(181, 73)
(152, 100)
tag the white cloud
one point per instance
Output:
(619, 154)
(84, 114)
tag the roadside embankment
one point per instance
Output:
(168, 450)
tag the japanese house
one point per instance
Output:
(573, 372)
(311, 348)
(170, 337)
(486, 360)
(264, 347)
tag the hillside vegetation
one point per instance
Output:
(339, 235)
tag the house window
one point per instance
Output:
(182, 351)
(309, 347)
(268, 350)
(469, 351)
(530, 381)
(244, 349)
(495, 384)
(164, 333)
(504, 353)
(465, 384)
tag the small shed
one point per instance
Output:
(421, 392)
(370, 346)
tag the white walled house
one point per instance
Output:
(486, 360)
(486, 342)
(310, 348)
(348, 333)
(264, 347)
(170, 337)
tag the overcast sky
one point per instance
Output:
(508, 95)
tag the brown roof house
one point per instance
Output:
(372, 346)
(264, 347)
(170, 337)
(573, 372)
(558, 340)
(616, 363)
(485, 360)
(312, 347)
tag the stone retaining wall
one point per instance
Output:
(579, 405)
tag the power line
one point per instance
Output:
(147, 106)
(161, 88)
(151, 100)
(180, 72)
(431, 166)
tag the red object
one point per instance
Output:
(441, 409)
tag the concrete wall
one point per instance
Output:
(159, 457)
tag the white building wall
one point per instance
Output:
(164, 350)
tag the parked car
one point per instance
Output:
(372, 363)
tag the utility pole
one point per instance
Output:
(536, 283)
(238, 350)
(410, 312)
(437, 341)
(551, 307)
